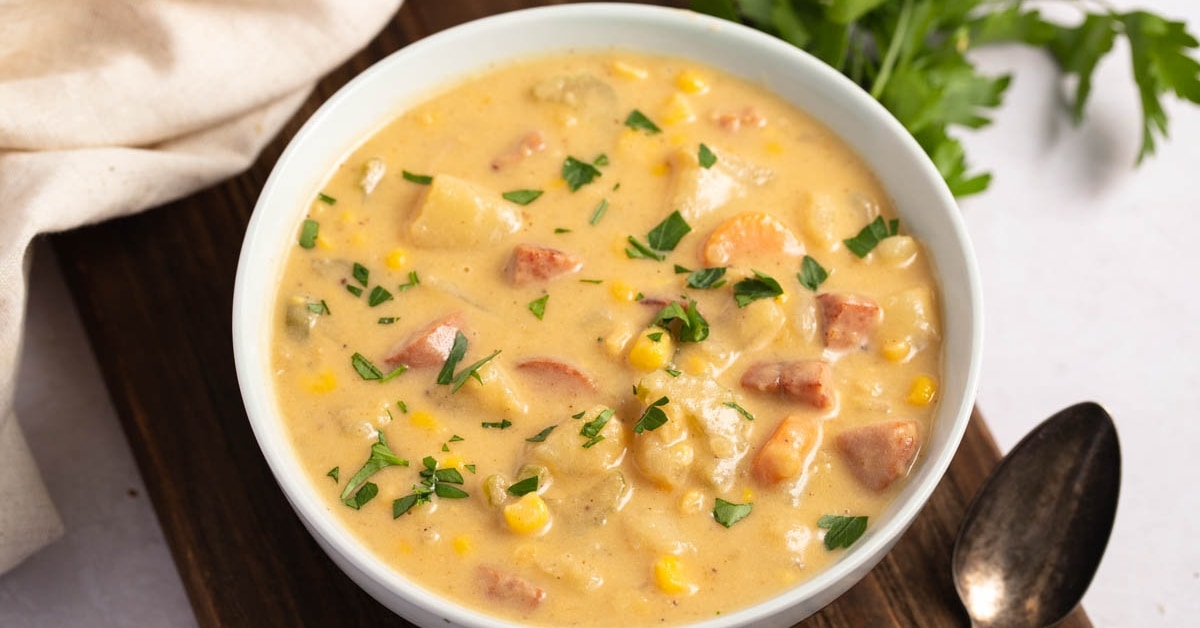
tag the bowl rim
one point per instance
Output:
(263, 241)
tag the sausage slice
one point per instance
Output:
(880, 453)
(804, 381)
(508, 588)
(429, 346)
(533, 264)
(847, 319)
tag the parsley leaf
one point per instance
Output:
(843, 531)
(665, 236)
(365, 369)
(591, 429)
(381, 457)
(684, 322)
(751, 289)
(706, 278)
(811, 274)
(729, 513)
(870, 236)
(420, 179)
(638, 121)
(598, 213)
(740, 410)
(526, 486)
(640, 250)
(653, 417)
(541, 436)
(706, 157)
(578, 173)
(378, 295)
(522, 197)
(538, 306)
(308, 234)
(325, 198)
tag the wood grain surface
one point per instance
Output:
(155, 293)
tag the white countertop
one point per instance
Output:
(1091, 286)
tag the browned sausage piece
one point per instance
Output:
(558, 375)
(428, 347)
(848, 319)
(509, 588)
(805, 381)
(529, 144)
(531, 263)
(880, 453)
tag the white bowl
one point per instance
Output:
(412, 74)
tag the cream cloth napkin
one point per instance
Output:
(108, 107)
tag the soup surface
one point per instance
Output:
(606, 339)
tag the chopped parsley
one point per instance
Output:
(638, 121)
(811, 274)
(319, 307)
(729, 513)
(308, 233)
(361, 274)
(561, 230)
(402, 406)
(598, 213)
(639, 250)
(522, 197)
(387, 320)
(541, 436)
(378, 295)
(740, 410)
(398, 371)
(444, 483)
(653, 417)
(591, 429)
(363, 495)
(601, 160)
(751, 289)
(459, 349)
(706, 157)
(355, 290)
(325, 198)
(502, 424)
(524, 487)
(538, 306)
(684, 322)
(422, 179)
(413, 280)
(594, 281)
(578, 173)
(665, 236)
(333, 473)
(682, 270)
(871, 235)
(381, 457)
(842, 531)
(707, 278)
(365, 369)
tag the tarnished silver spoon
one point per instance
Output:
(1032, 539)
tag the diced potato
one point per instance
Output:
(910, 316)
(697, 191)
(455, 212)
(592, 505)
(650, 530)
(583, 93)
(570, 567)
(497, 390)
(828, 220)
(373, 171)
(898, 251)
(495, 489)
(299, 318)
(563, 451)
(756, 325)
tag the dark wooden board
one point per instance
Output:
(155, 293)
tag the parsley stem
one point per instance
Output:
(893, 51)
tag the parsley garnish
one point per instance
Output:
(333, 473)
(706, 157)
(381, 457)
(740, 410)
(319, 308)
(578, 173)
(541, 436)
(361, 274)
(811, 274)
(665, 236)
(455, 438)
(422, 179)
(413, 280)
(689, 325)
(398, 371)
(387, 320)
(729, 513)
(871, 235)
(601, 160)
(598, 213)
(365, 369)
(751, 289)
(639, 250)
(459, 349)
(325, 198)
(561, 230)
(444, 483)
(843, 531)
(522, 197)
(706, 278)
(594, 281)
(502, 424)
(653, 417)
(526, 486)
(378, 295)
(639, 122)
(308, 234)
(355, 290)
(538, 306)
(591, 429)
(682, 270)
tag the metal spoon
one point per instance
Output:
(1031, 540)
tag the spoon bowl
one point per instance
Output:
(1033, 537)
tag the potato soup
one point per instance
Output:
(606, 339)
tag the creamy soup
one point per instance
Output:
(606, 339)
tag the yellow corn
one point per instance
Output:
(321, 383)
(423, 420)
(774, 148)
(622, 291)
(463, 544)
(660, 169)
(395, 259)
(692, 82)
(692, 502)
(896, 350)
(924, 389)
(404, 547)
(668, 575)
(357, 239)
(348, 217)
(747, 494)
(527, 515)
(454, 461)
(652, 350)
(696, 364)
(678, 110)
(324, 244)
(629, 71)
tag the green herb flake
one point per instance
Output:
(592, 281)
(456, 438)
(319, 308)
(751, 289)
(729, 513)
(365, 369)
(497, 425)
(378, 295)
(706, 157)
(333, 473)
(870, 236)
(591, 429)
(842, 531)
(665, 236)
(524, 487)
(538, 306)
(421, 179)
(363, 495)
(578, 173)
(355, 290)
(381, 457)
(673, 372)
(404, 504)
(471, 372)
(579, 415)
(308, 233)
(541, 436)
(638, 121)
(397, 372)
(387, 320)
(639, 250)
(811, 274)
(740, 410)
(682, 270)
(457, 351)
(561, 230)
(325, 198)
(598, 212)
(601, 160)
(656, 336)
(685, 323)
(653, 417)
(522, 197)
(402, 406)
(707, 278)
(361, 274)
(469, 467)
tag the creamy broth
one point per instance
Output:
(797, 405)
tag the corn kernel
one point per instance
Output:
(423, 420)
(747, 494)
(660, 169)
(622, 291)
(557, 183)
(629, 71)
(321, 383)
(668, 575)
(324, 244)
(395, 259)
(774, 148)
(692, 502)
(652, 350)
(527, 515)
(924, 389)
(404, 547)
(453, 461)
(896, 351)
(678, 111)
(696, 364)
(782, 298)
(692, 82)
(348, 217)
(462, 545)
(358, 240)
